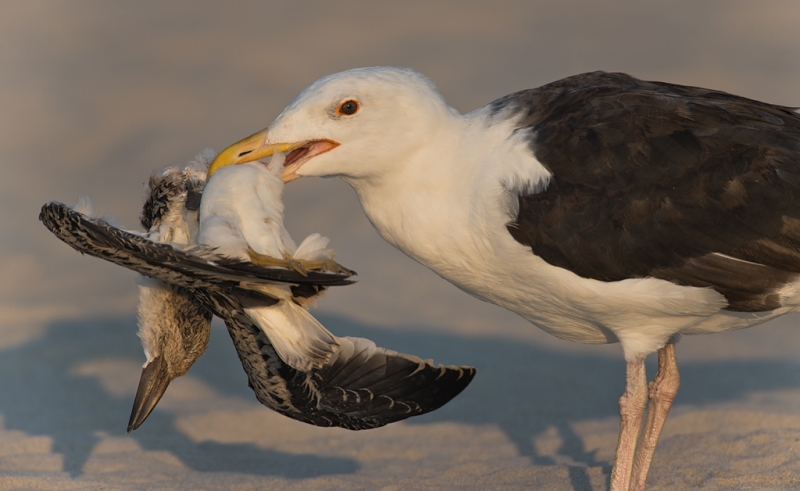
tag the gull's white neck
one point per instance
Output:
(443, 203)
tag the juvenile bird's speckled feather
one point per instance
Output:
(360, 387)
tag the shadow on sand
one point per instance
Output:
(40, 395)
(527, 389)
(522, 388)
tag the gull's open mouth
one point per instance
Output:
(295, 154)
(299, 156)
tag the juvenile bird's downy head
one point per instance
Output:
(174, 328)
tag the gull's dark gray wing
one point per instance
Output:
(192, 268)
(689, 185)
(362, 387)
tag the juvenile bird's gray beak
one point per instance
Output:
(152, 385)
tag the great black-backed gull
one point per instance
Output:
(600, 207)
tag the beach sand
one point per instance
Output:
(96, 95)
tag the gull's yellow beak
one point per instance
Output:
(252, 148)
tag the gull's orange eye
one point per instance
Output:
(347, 108)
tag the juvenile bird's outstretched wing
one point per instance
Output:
(190, 267)
(361, 387)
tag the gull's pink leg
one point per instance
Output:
(663, 389)
(631, 412)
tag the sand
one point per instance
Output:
(97, 94)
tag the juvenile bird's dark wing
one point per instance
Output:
(192, 268)
(362, 387)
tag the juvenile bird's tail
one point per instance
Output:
(299, 339)
(314, 248)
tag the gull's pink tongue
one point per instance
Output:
(294, 155)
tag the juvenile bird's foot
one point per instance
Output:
(302, 266)
(334, 267)
(329, 266)
(287, 262)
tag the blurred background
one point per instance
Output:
(95, 95)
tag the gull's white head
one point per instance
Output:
(354, 124)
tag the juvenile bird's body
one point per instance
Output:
(251, 216)
(242, 209)
(360, 386)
